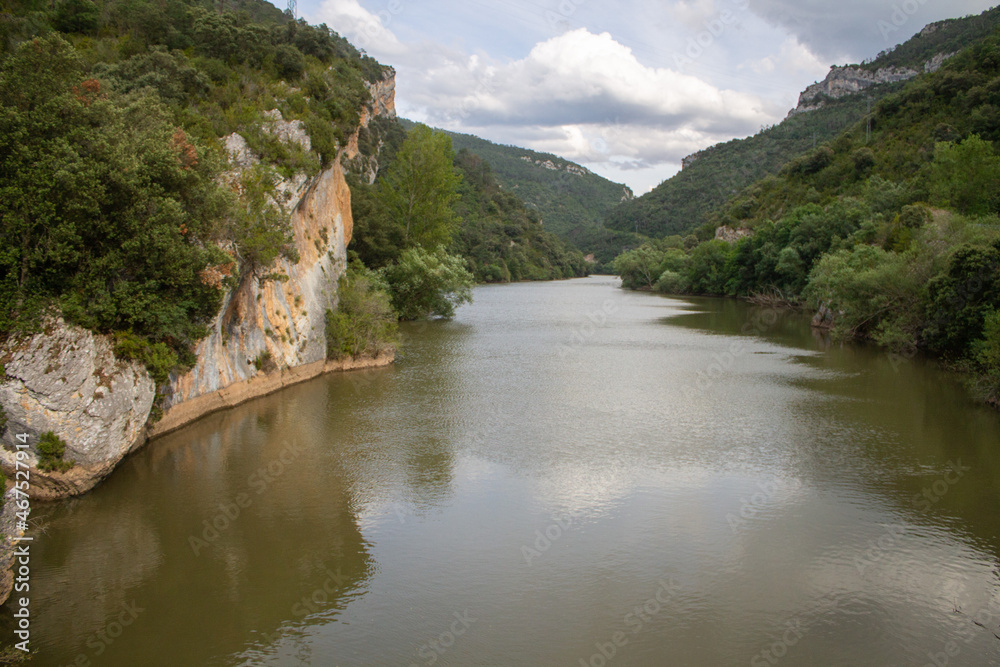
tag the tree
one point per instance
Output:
(364, 321)
(107, 207)
(966, 176)
(427, 283)
(639, 268)
(420, 188)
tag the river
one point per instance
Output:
(565, 474)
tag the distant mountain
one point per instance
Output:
(709, 178)
(571, 200)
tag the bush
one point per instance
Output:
(987, 353)
(428, 284)
(51, 449)
(639, 268)
(289, 62)
(960, 299)
(671, 282)
(966, 176)
(876, 294)
(364, 322)
(158, 358)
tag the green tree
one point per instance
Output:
(639, 268)
(420, 188)
(876, 294)
(427, 283)
(107, 207)
(966, 176)
(364, 321)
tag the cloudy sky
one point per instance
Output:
(625, 88)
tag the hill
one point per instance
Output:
(892, 235)
(709, 178)
(118, 200)
(571, 200)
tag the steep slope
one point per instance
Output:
(193, 256)
(890, 231)
(571, 200)
(501, 238)
(709, 178)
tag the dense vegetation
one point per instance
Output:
(898, 237)
(501, 239)
(115, 202)
(364, 322)
(689, 201)
(948, 36)
(426, 196)
(571, 201)
(685, 203)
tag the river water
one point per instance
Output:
(565, 474)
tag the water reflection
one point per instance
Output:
(541, 465)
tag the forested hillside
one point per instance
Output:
(896, 237)
(497, 235)
(116, 204)
(571, 200)
(688, 200)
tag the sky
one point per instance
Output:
(628, 88)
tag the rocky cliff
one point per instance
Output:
(268, 334)
(848, 80)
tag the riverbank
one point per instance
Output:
(825, 320)
(260, 385)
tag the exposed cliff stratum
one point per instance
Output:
(268, 333)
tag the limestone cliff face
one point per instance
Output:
(848, 80)
(268, 334)
(68, 381)
(282, 319)
(280, 324)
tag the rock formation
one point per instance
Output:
(268, 334)
(849, 79)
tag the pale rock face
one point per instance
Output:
(240, 155)
(285, 318)
(288, 131)
(67, 380)
(731, 235)
(843, 81)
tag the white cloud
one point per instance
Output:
(602, 84)
(584, 96)
(364, 29)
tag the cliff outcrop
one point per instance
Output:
(848, 80)
(269, 332)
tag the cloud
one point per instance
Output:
(362, 28)
(850, 30)
(581, 84)
(614, 86)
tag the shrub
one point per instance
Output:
(875, 293)
(364, 322)
(987, 351)
(671, 282)
(51, 449)
(424, 283)
(158, 358)
(289, 62)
